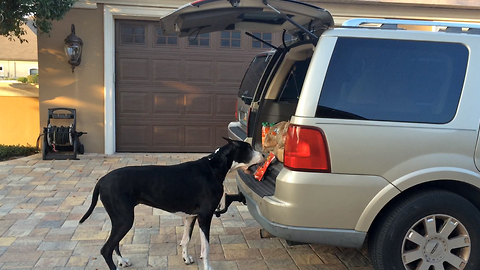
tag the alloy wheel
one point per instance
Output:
(436, 242)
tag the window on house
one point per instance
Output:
(33, 71)
(230, 39)
(1, 68)
(202, 40)
(166, 40)
(133, 34)
(260, 45)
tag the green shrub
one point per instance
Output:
(32, 78)
(9, 151)
(22, 79)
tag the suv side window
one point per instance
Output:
(253, 74)
(393, 80)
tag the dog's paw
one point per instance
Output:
(124, 262)
(188, 260)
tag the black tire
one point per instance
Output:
(420, 231)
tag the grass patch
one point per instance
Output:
(11, 151)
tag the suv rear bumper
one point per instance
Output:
(334, 237)
(235, 131)
(311, 207)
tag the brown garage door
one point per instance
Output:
(175, 94)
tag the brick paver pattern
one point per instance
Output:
(41, 202)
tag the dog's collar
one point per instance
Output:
(210, 157)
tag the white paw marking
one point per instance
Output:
(124, 262)
(188, 260)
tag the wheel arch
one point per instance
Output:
(408, 233)
(464, 189)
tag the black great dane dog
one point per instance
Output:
(191, 189)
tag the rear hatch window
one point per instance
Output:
(253, 74)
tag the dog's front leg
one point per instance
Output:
(204, 224)
(188, 224)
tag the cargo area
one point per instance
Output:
(279, 98)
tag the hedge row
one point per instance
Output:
(10, 151)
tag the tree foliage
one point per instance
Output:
(15, 13)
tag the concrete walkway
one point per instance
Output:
(42, 201)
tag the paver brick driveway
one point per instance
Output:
(42, 201)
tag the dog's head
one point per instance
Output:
(243, 155)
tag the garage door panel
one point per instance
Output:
(220, 133)
(134, 102)
(133, 69)
(229, 72)
(196, 104)
(224, 105)
(134, 135)
(199, 136)
(168, 104)
(168, 136)
(198, 71)
(167, 69)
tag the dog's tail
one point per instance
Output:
(96, 192)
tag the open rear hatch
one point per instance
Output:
(301, 20)
(205, 16)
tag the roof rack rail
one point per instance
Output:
(472, 28)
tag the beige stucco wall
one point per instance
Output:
(18, 113)
(19, 120)
(83, 89)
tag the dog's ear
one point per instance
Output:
(230, 141)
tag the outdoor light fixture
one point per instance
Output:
(73, 49)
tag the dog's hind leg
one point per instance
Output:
(120, 227)
(204, 223)
(122, 262)
(188, 223)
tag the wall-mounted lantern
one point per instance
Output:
(73, 49)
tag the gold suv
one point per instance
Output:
(383, 131)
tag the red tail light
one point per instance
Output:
(306, 149)
(236, 110)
